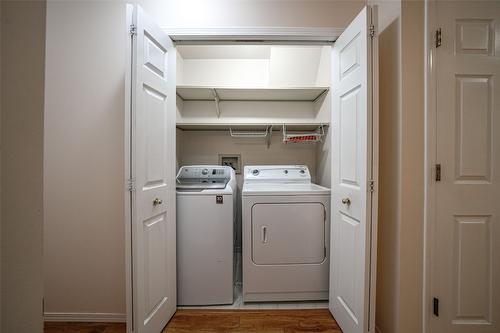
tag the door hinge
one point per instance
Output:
(325, 252)
(371, 186)
(438, 172)
(435, 306)
(133, 30)
(131, 185)
(372, 31)
(437, 37)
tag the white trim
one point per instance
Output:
(231, 34)
(130, 12)
(375, 151)
(430, 81)
(85, 317)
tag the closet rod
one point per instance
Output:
(225, 127)
(248, 133)
(253, 100)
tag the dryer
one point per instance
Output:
(286, 228)
(206, 211)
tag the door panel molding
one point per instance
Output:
(150, 185)
(466, 187)
(354, 174)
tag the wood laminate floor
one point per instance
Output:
(223, 321)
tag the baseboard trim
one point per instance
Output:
(85, 317)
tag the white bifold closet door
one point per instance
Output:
(465, 261)
(151, 123)
(354, 145)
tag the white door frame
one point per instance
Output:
(262, 35)
(128, 173)
(430, 96)
(231, 35)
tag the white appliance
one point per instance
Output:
(206, 210)
(286, 223)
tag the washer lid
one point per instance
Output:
(200, 184)
(284, 189)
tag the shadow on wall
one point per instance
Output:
(388, 216)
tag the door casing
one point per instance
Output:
(233, 36)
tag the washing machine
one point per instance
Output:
(286, 223)
(206, 211)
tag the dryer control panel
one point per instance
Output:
(277, 173)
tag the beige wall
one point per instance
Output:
(1, 149)
(84, 178)
(412, 168)
(274, 13)
(390, 166)
(400, 239)
(84, 255)
(22, 84)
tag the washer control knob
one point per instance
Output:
(255, 172)
(302, 171)
(204, 172)
(286, 172)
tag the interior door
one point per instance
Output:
(151, 126)
(466, 270)
(354, 145)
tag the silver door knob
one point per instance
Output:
(157, 201)
(346, 201)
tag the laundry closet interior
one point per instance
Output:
(261, 89)
(251, 105)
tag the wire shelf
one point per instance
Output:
(303, 137)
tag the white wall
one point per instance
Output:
(84, 180)
(254, 66)
(21, 165)
(225, 72)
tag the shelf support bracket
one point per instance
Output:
(269, 135)
(217, 100)
(320, 95)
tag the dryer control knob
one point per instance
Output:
(255, 172)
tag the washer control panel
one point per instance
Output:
(195, 172)
(203, 177)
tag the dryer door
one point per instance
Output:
(288, 233)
